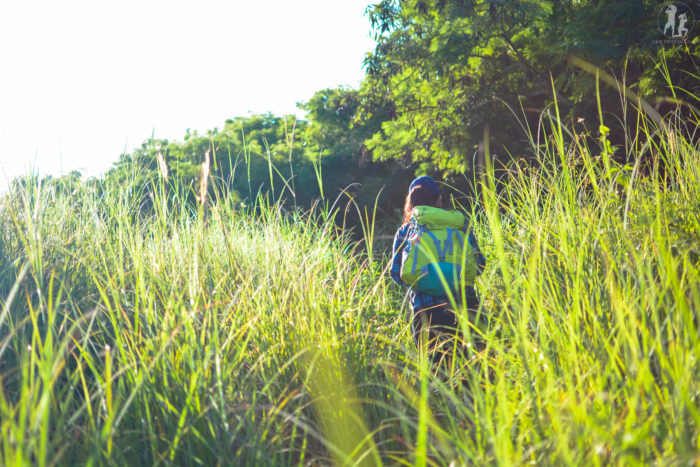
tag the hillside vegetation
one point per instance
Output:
(257, 335)
(441, 73)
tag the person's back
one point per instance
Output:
(431, 312)
(438, 258)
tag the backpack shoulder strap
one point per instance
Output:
(441, 250)
(415, 230)
(460, 237)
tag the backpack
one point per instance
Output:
(438, 259)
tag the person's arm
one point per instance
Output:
(397, 251)
(478, 256)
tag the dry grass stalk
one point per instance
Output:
(204, 182)
(162, 166)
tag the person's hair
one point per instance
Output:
(419, 196)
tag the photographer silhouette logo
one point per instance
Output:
(676, 20)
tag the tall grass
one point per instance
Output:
(255, 336)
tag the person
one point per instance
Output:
(431, 314)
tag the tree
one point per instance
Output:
(450, 67)
(335, 139)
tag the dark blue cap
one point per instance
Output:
(426, 182)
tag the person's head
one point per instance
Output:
(423, 191)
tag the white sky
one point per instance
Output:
(80, 81)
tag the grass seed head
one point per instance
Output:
(162, 166)
(204, 182)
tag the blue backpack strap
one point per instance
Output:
(448, 241)
(460, 238)
(441, 250)
(461, 243)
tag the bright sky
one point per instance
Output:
(81, 81)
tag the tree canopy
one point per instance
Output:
(447, 68)
(442, 72)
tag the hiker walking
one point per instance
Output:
(434, 255)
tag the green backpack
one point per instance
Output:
(438, 257)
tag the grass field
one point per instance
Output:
(264, 337)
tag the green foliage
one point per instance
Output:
(111, 324)
(138, 326)
(262, 336)
(336, 139)
(444, 74)
(279, 157)
(448, 68)
(269, 148)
